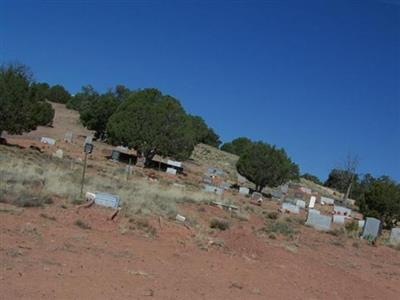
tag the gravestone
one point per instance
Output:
(294, 209)
(312, 202)
(326, 200)
(68, 137)
(361, 223)
(277, 194)
(319, 222)
(300, 203)
(371, 228)
(213, 189)
(314, 211)
(340, 210)
(171, 171)
(244, 190)
(106, 199)
(47, 140)
(339, 219)
(395, 236)
(284, 188)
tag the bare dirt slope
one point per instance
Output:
(44, 255)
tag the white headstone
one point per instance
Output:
(326, 200)
(339, 219)
(312, 202)
(47, 140)
(318, 221)
(244, 190)
(361, 223)
(171, 171)
(340, 210)
(290, 208)
(300, 203)
(395, 236)
(372, 228)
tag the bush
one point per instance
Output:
(143, 225)
(219, 224)
(273, 215)
(283, 228)
(25, 200)
(82, 224)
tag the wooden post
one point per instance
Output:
(129, 168)
(83, 173)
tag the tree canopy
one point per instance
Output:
(57, 93)
(379, 198)
(238, 146)
(23, 105)
(152, 123)
(312, 178)
(339, 179)
(264, 165)
(95, 113)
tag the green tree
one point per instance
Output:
(264, 164)
(238, 146)
(96, 113)
(80, 101)
(57, 93)
(22, 108)
(312, 178)
(152, 123)
(381, 199)
(43, 113)
(203, 133)
(339, 179)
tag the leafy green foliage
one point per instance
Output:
(264, 164)
(82, 99)
(95, 114)
(22, 103)
(237, 146)
(58, 94)
(312, 178)
(203, 133)
(380, 198)
(152, 123)
(340, 179)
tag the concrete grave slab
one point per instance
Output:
(371, 228)
(289, 207)
(300, 203)
(395, 236)
(319, 222)
(244, 190)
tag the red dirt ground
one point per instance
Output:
(55, 259)
(41, 258)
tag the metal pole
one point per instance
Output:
(83, 173)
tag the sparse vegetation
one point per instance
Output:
(82, 224)
(220, 224)
(46, 216)
(144, 225)
(280, 227)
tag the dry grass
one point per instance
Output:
(28, 175)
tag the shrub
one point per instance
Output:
(283, 228)
(219, 224)
(25, 200)
(82, 224)
(273, 215)
(143, 225)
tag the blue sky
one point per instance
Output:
(319, 78)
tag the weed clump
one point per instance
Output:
(143, 225)
(219, 224)
(82, 224)
(26, 200)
